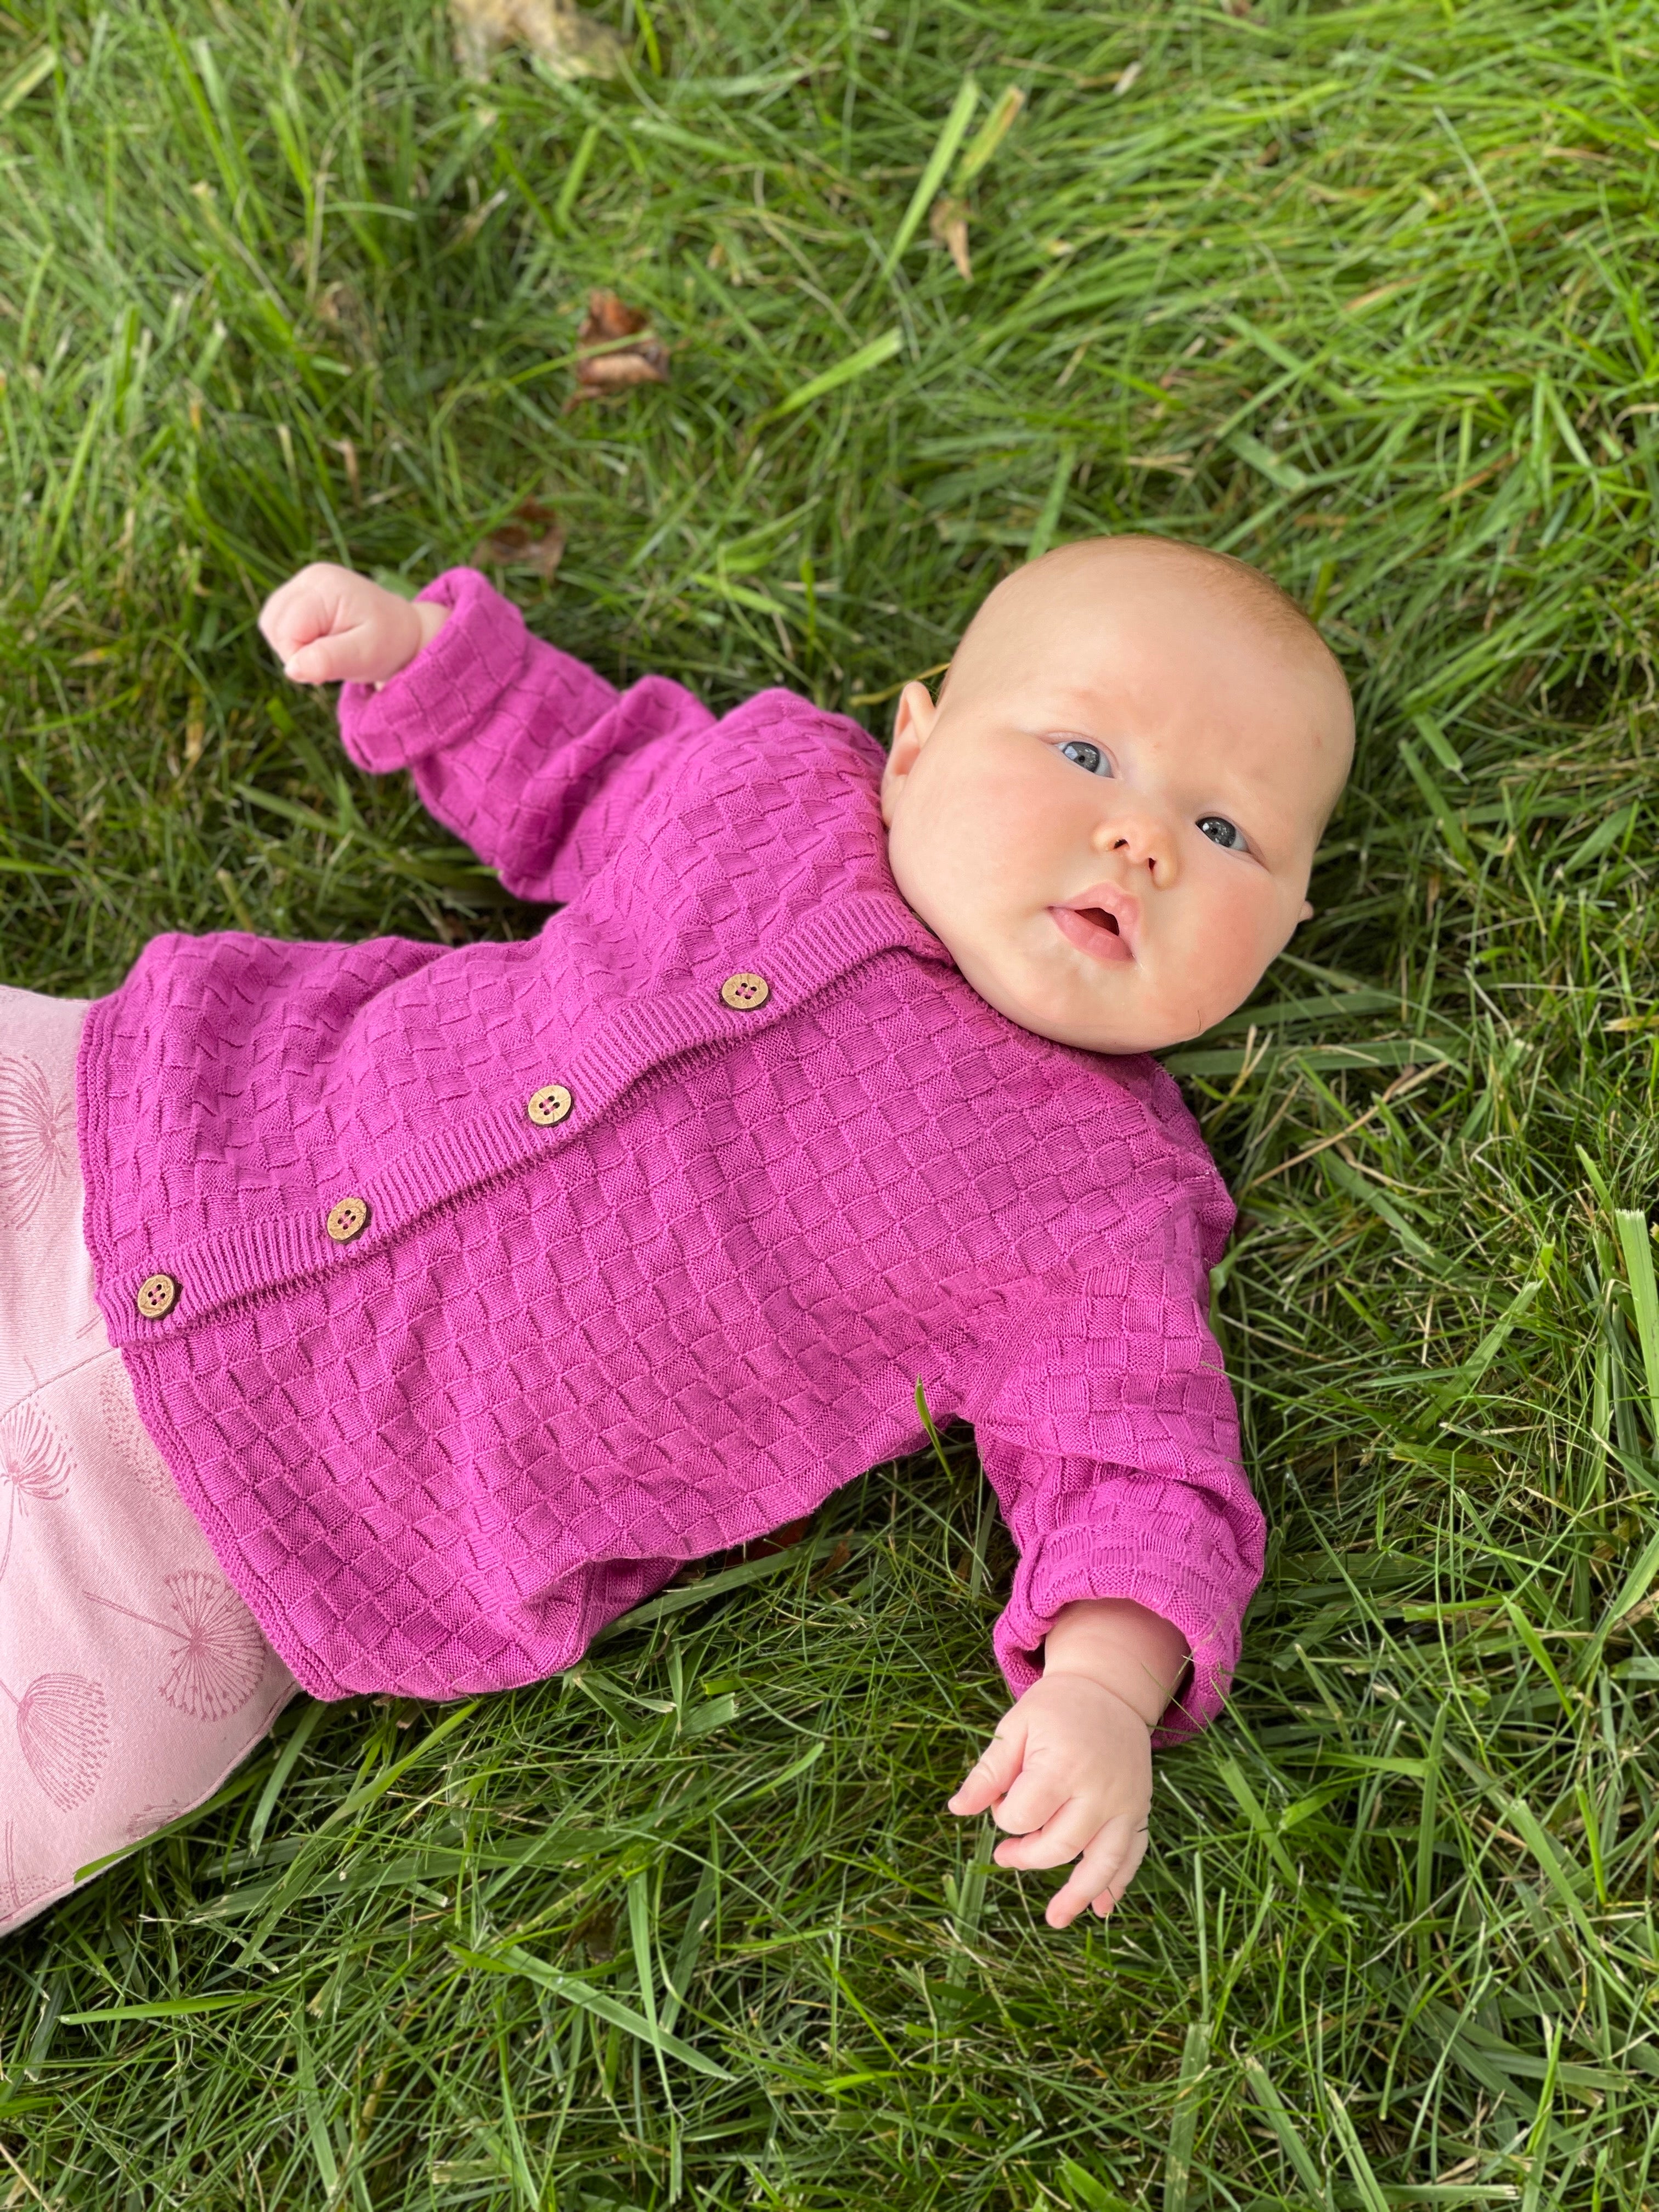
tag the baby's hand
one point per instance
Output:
(1069, 1770)
(328, 625)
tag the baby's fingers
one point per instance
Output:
(1048, 1825)
(336, 660)
(307, 606)
(1103, 1874)
(992, 1775)
(326, 625)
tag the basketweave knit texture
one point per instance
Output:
(563, 1358)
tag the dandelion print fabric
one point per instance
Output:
(132, 1677)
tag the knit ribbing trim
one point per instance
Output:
(263, 1254)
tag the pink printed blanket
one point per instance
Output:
(132, 1677)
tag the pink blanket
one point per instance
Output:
(132, 1677)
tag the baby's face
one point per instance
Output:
(1111, 816)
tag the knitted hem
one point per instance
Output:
(447, 689)
(1073, 1564)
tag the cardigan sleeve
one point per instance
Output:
(1112, 1444)
(524, 751)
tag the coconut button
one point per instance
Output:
(347, 1217)
(157, 1294)
(548, 1105)
(743, 993)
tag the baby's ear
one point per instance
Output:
(913, 725)
(1307, 913)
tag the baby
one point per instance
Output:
(461, 1295)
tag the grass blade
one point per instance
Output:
(1354, 2150)
(831, 379)
(939, 161)
(1184, 2126)
(23, 80)
(1637, 1245)
(1301, 2160)
(287, 1759)
(574, 1991)
(1480, 1360)
(982, 147)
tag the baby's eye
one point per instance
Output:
(1220, 831)
(1079, 751)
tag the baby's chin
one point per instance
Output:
(1114, 1014)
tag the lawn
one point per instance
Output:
(1361, 294)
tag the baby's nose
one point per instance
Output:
(1140, 840)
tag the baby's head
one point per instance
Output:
(1111, 815)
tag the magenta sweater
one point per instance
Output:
(655, 1219)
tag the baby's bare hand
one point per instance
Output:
(329, 625)
(1069, 1775)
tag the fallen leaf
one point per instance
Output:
(556, 31)
(532, 538)
(1126, 80)
(616, 348)
(758, 1547)
(780, 1540)
(948, 224)
(341, 307)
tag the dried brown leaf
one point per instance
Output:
(341, 307)
(948, 224)
(616, 348)
(570, 43)
(608, 320)
(780, 1540)
(533, 537)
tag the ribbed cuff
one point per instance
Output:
(449, 689)
(1081, 1562)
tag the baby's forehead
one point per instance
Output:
(1218, 672)
(1075, 604)
(1067, 662)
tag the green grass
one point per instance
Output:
(1361, 294)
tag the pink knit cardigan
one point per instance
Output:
(567, 1354)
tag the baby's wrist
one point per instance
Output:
(430, 616)
(1114, 1689)
(1126, 1648)
(418, 622)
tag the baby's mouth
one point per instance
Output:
(1099, 930)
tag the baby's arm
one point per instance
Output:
(1069, 1770)
(329, 625)
(529, 756)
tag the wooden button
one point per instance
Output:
(548, 1105)
(347, 1217)
(743, 993)
(157, 1294)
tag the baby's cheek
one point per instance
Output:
(1239, 941)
